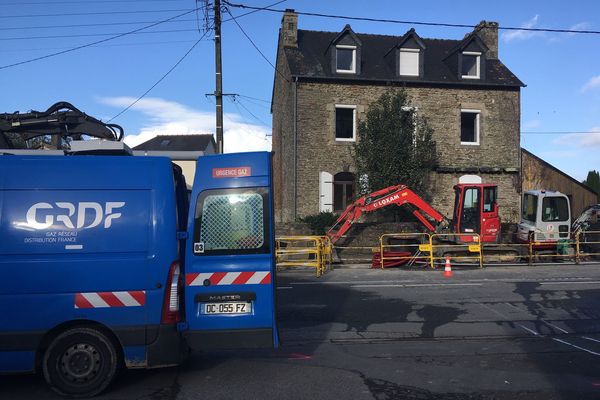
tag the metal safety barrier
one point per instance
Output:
(304, 251)
(458, 247)
(415, 249)
(587, 245)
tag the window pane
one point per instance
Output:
(471, 199)
(344, 123)
(554, 209)
(231, 221)
(344, 59)
(409, 63)
(529, 207)
(469, 65)
(489, 199)
(468, 127)
(338, 196)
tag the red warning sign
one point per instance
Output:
(234, 172)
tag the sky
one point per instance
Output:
(560, 107)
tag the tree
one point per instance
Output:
(593, 182)
(395, 145)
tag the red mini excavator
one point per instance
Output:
(475, 211)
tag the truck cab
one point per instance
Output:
(545, 217)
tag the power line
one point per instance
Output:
(49, 3)
(94, 43)
(160, 80)
(14, 28)
(106, 45)
(95, 35)
(93, 13)
(256, 47)
(237, 101)
(395, 21)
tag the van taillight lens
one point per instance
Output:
(172, 296)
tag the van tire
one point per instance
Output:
(80, 362)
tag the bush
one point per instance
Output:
(320, 223)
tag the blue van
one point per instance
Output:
(105, 261)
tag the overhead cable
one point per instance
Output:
(395, 21)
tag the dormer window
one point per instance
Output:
(409, 62)
(471, 65)
(345, 59)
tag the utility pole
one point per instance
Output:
(219, 77)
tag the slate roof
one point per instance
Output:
(177, 143)
(312, 60)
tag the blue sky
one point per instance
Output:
(562, 71)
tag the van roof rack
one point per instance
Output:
(61, 119)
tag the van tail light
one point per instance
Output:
(170, 314)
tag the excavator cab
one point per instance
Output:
(476, 211)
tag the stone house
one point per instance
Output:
(325, 82)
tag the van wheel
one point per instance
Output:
(80, 362)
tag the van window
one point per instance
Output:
(555, 209)
(232, 221)
(529, 207)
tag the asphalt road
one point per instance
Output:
(496, 333)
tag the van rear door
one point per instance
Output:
(229, 268)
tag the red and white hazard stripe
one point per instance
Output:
(229, 278)
(135, 298)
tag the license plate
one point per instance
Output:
(234, 307)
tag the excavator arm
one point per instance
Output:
(398, 195)
(61, 118)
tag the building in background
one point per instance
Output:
(184, 150)
(538, 174)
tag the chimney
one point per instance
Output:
(289, 28)
(488, 32)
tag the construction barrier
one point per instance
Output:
(414, 248)
(304, 251)
(587, 245)
(459, 247)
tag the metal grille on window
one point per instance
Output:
(232, 222)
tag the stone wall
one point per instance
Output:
(499, 147)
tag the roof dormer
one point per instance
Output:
(345, 51)
(471, 58)
(409, 55)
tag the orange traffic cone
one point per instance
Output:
(448, 268)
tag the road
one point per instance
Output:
(496, 333)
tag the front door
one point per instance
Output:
(230, 271)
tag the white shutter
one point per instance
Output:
(409, 62)
(325, 192)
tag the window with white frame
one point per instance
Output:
(469, 126)
(409, 62)
(345, 123)
(345, 59)
(471, 65)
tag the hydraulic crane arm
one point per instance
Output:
(62, 119)
(398, 195)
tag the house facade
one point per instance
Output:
(326, 81)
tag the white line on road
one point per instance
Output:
(348, 282)
(543, 320)
(284, 287)
(571, 283)
(577, 347)
(418, 285)
(589, 338)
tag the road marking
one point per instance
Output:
(284, 287)
(572, 283)
(540, 319)
(577, 347)
(418, 285)
(349, 282)
(592, 339)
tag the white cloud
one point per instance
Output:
(589, 139)
(592, 83)
(511, 35)
(581, 26)
(531, 124)
(172, 118)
